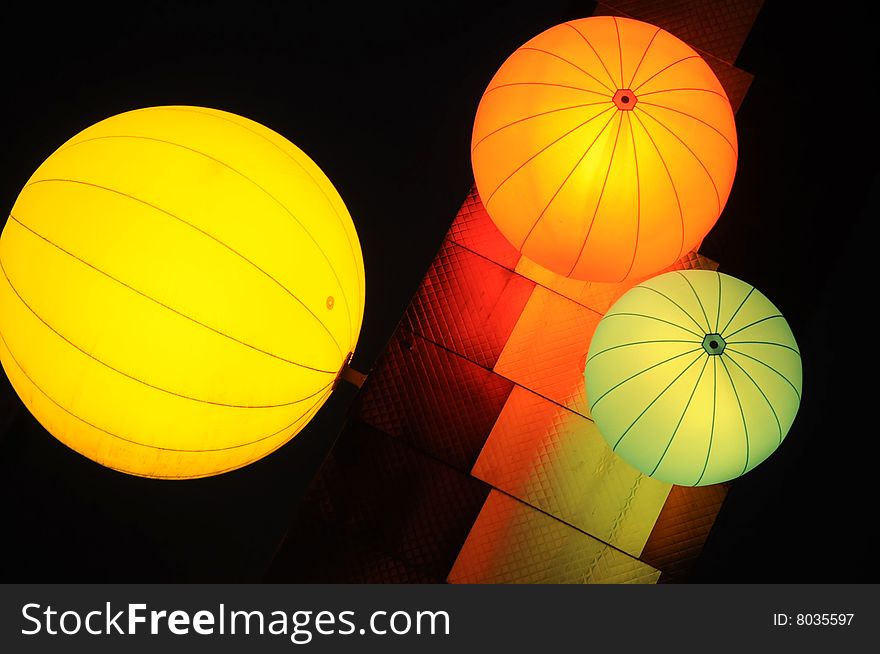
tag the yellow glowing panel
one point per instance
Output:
(556, 460)
(598, 296)
(179, 289)
(548, 347)
(511, 542)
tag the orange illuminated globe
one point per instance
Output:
(604, 149)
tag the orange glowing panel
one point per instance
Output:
(604, 149)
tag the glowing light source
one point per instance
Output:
(604, 149)
(693, 377)
(180, 289)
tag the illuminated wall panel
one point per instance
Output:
(556, 460)
(514, 543)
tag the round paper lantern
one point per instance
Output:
(693, 377)
(604, 149)
(180, 290)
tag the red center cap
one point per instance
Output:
(625, 99)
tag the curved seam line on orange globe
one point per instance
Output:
(632, 136)
(659, 395)
(561, 86)
(764, 395)
(330, 203)
(752, 324)
(165, 306)
(699, 120)
(619, 49)
(354, 258)
(741, 413)
(595, 52)
(736, 311)
(204, 233)
(644, 315)
(665, 68)
(641, 372)
(538, 115)
(563, 183)
(601, 194)
(766, 365)
(245, 177)
(681, 419)
(714, 407)
(138, 443)
(688, 148)
(699, 301)
(631, 343)
(671, 182)
(644, 54)
(132, 377)
(569, 62)
(661, 294)
(546, 147)
(685, 88)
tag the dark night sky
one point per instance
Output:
(383, 98)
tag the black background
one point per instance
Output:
(382, 97)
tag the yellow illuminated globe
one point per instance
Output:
(180, 288)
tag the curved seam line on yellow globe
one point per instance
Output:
(651, 342)
(699, 120)
(538, 115)
(752, 324)
(766, 365)
(601, 192)
(595, 52)
(165, 306)
(619, 49)
(563, 183)
(644, 54)
(699, 301)
(207, 474)
(736, 311)
(764, 395)
(569, 62)
(683, 414)
(138, 443)
(213, 472)
(671, 182)
(354, 258)
(718, 312)
(204, 233)
(741, 413)
(649, 317)
(688, 148)
(661, 294)
(714, 406)
(641, 372)
(546, 147)
(665, 68)
(787, 347)
(132, 377)
(659, 395)
(243, 176)
(632, 136)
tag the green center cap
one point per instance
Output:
(714, 344)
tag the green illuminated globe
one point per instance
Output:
(693, 377)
